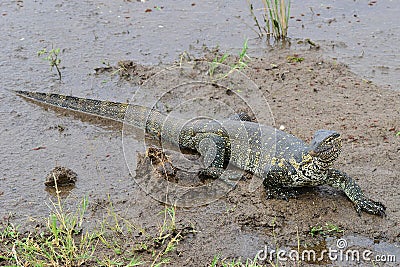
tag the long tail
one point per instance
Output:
(107, 109)
(139, 116)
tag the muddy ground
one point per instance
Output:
(306, 96)
(316, 93)
(303, 97)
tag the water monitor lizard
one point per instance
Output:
(283, 161)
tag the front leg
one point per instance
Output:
(342, 181)
(276, 183)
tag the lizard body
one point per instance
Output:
(283, 161)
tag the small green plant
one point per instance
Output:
(243, 57)
(169, 220)
(239, 64)
(294, 59)
(327, 229)
(53, 59)
(216, 61)
(276, 18)
(273, 223)
(315, 230)
(398, 133)
(9, 231)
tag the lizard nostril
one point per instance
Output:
(312, 153)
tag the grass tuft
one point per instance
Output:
(238, 64)
(63, 243)
(168, 237)
(279, 13)
(217, 262)
(276, 15)
(113, 242)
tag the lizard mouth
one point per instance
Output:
(317, 152)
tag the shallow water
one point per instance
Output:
(362, 34)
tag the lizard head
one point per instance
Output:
(326, 146)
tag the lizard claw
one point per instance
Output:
(370, 206)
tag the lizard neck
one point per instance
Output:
(320, 164)
(313, 171)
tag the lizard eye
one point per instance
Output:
(326, 146)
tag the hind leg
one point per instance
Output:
(213, 149)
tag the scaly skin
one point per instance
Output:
(283, 161)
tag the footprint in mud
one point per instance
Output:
(62, 176)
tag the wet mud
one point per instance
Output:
(316, 93)
(303, 96)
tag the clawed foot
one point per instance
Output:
(370, 206)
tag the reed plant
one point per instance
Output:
(276, 18)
